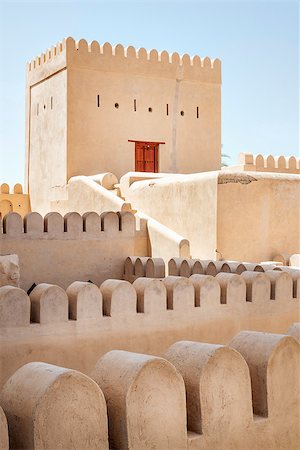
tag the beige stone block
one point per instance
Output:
(34, 224)
(107, 180)
(140, 266)
(129, 268)
(18, 189)
(236, 267)
(127, 223)
(273, 360)
(155, 268)
(145, 398)
(284, 258)
(110, 222)
(268, 266)
(92, 223)
(180, 293)
(295, 260)
(85, 301)
(54, 225)
(73, 225)
(281, 285)
(14, 307)
(4, 443)
(218, 388)
(189, 267)
(12, 224)
(233, 288)
(119, 298)
(258, 287)
(215, 267)
(253, 267)
(151, 295)
(295, 274)
(294, 331)
(207, 290)
(174, 266)
(50, 407)
(9, 270)
(4, 189)
(49, 304)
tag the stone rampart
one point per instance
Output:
(269, 163)
(60, 250)
(80, 324)
(198, 395)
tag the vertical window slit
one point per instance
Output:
(134, 104)
(98, 101)
(197, 112)
(167, 109)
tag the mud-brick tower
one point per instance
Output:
(93, 109)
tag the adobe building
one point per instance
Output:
(122, 310)
(93, 109)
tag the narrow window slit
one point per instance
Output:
(134, 104)
(197, 112)
(167, 109)
(98, 101)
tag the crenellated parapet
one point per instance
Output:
(79, 54)
(269, 163)
(196, 395)
(88, 247)
(200, 296)
(70, 226)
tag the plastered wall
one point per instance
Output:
(146, 316)
(100, 99)
(244, 216)
(197, 396)
(259, 217)
(59, 250)
(47, 151)
(13, 200)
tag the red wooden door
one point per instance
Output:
(146, 157)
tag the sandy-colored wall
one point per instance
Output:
(76, 137)
(59, 251)
(48, 140)
(244, 216)
(98, 137)
(79, 343)
(258, 219)
(186, 204)
(13, 200)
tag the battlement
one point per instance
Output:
(82, 244)
(71, 226)
(197, 395)
(269, 163)
(108, 58)
(5, 189)
(199, 296)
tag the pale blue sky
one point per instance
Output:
(257, 41)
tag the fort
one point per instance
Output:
(149, 299)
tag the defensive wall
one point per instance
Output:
(196, 396)
(267, 163)
(226, 214)
(61, 250)
(13, 200)
(120, 95)
(74, 327)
